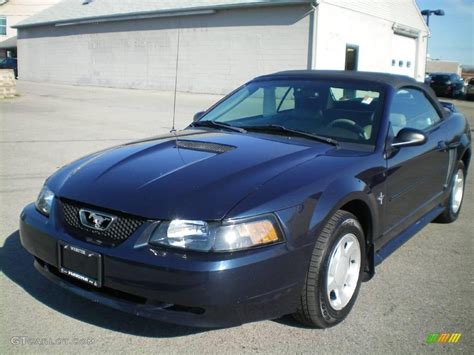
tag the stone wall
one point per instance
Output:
(7, 83)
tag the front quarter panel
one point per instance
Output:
(57, 179)
(307, 195)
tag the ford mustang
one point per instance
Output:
(280, 199)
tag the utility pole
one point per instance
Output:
(427, 13)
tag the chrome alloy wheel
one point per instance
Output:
(343, 271)
(458, 191)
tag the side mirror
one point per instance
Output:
(409, 137)
(448, 106)
(198, 116)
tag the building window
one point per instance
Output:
(352, 57)
(408, 64)
(3, 25)
(394, 62)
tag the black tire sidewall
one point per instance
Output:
(330, 315)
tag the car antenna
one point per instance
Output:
(173, 129)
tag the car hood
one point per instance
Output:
(195, 174)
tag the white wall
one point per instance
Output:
(338, 26)
(405, 12)
(218, 52)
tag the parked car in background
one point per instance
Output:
(447, 84)
(470, 90)
(427, 78)
(280, 199)
(10, 63)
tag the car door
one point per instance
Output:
(416, 175)
(454, 83)
(461, 84)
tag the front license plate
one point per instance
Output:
(81, 264)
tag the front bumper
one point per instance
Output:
(195, 289)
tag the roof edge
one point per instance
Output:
(379, 77)
(427, 29)
(196, 10)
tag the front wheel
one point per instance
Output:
(335, 272)
(452, 206)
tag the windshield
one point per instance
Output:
(344, 111)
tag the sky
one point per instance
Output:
(452, 35)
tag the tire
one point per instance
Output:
(318, 306)
(453, 204)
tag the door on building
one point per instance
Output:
(403, 55)
(352, 57)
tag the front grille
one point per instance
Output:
(122, 228)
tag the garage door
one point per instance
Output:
(403, 55)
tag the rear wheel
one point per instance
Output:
(452, 206)
(335, 273)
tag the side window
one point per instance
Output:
(285, 98)
(411, 109)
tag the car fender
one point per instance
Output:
(339, 193)
(459, 136)
(465, 144)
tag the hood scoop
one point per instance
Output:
(204, 146)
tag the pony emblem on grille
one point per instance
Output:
(96, 220)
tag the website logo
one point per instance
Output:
(442, 338)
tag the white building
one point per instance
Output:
(12, 12)
(222, 43)
(443, 66)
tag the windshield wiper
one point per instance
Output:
(283, 129)
(215, 124)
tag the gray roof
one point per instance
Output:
(77, 11)
(9, 43)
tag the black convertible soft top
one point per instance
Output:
(383, 78)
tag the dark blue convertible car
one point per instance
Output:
(280, 199)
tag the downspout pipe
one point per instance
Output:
(313, 26)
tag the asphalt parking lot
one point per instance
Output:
(424, 287)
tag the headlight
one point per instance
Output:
(203, 236)
(44, 200)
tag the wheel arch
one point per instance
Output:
(357, 198)
(466, 158)
(361, 210)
